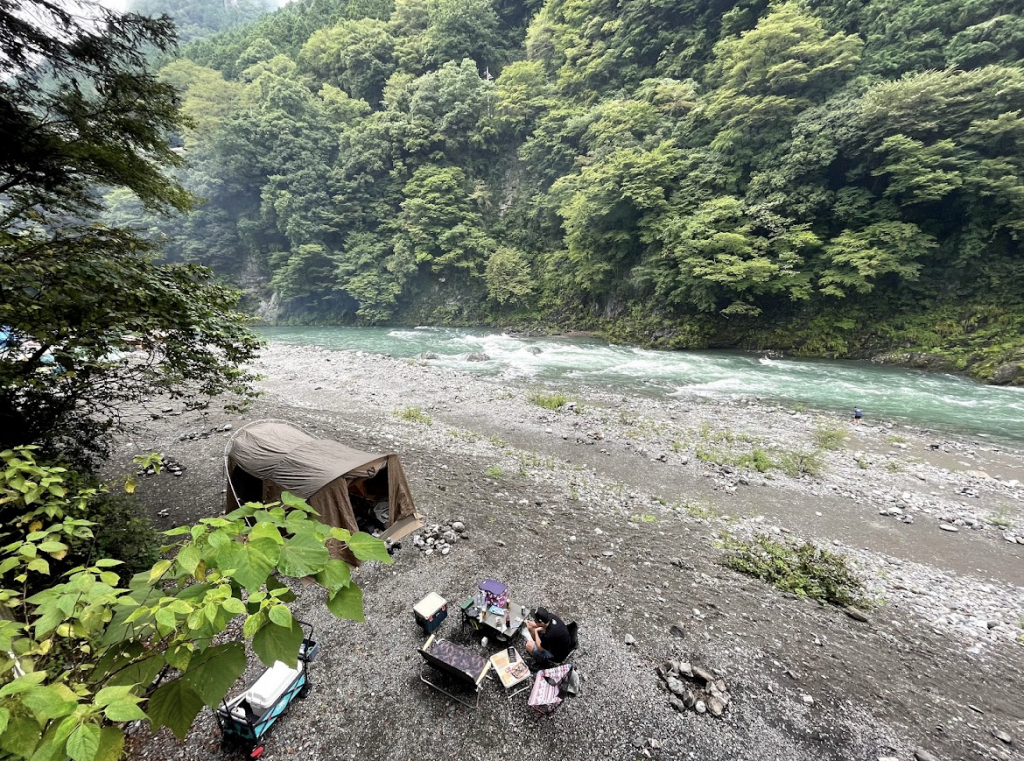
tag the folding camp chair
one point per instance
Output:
(545, 697)
(458, 662)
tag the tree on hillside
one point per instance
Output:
(196, 19)
(80, 114)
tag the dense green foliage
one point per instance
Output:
(195, 19)
(80, 111)
(88, 649)
(832, 179)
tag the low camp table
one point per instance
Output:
(511, 671)
(491, 623)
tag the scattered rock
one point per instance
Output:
(678, 629)
(855, 614)
(948, 527)
(922, 755)
(1002, 736)
(629, 640)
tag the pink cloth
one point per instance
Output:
(544, 693)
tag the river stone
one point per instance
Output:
(685, 669)
(677, 704)
(700, 707)
(855, 614)
(716, 706)
(1001, 735)
(689, 699)
(703, 674)
(948, 527)
(675, 686)
(629, 640)
(922, 755)
(678, 629)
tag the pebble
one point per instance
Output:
(922, 755)
(948, 527)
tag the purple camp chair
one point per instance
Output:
(455, 661)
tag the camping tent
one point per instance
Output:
(350, 489)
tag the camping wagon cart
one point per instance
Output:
(350, 489)
(246, 718)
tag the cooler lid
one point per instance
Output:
(429, 605)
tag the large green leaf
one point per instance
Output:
(336, 574)
(278, 643)
(21, 736)
(302, 555)
(84, 742)
(50, 702)
(111, 744)
(174, 705)
(251, 562)
(284, 596)
(347, 602)
(366, 547)
(213, 671)
(142, 672)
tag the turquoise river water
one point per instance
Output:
(929, 400)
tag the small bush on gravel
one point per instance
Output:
(798, 463)
(829, 436)
(494, 472)
(803, 569)
(413, 415)
(549, 401)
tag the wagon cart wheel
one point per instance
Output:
(304, 691)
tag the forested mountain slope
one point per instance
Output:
(826, 178)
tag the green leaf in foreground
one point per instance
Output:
(278, 643)
(174, 705)
(212, 672)
(302, 555)
(366, 547)
(336, 574)
(84, 742)
(347, 602)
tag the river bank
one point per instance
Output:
(608, 510)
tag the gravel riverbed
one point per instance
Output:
(608, 511)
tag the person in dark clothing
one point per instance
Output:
(547, 637)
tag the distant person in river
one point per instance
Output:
(857, 415)
(547, 637)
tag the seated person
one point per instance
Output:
(547, 637)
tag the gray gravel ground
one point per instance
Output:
(610, 517)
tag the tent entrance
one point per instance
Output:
(247, 487)
(369, 498)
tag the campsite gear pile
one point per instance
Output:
(246, 718)
(349, 488)
(490, 610)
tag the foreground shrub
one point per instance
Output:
(803, 569)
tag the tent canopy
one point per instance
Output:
(271, 457)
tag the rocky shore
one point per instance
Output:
(608, 510)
